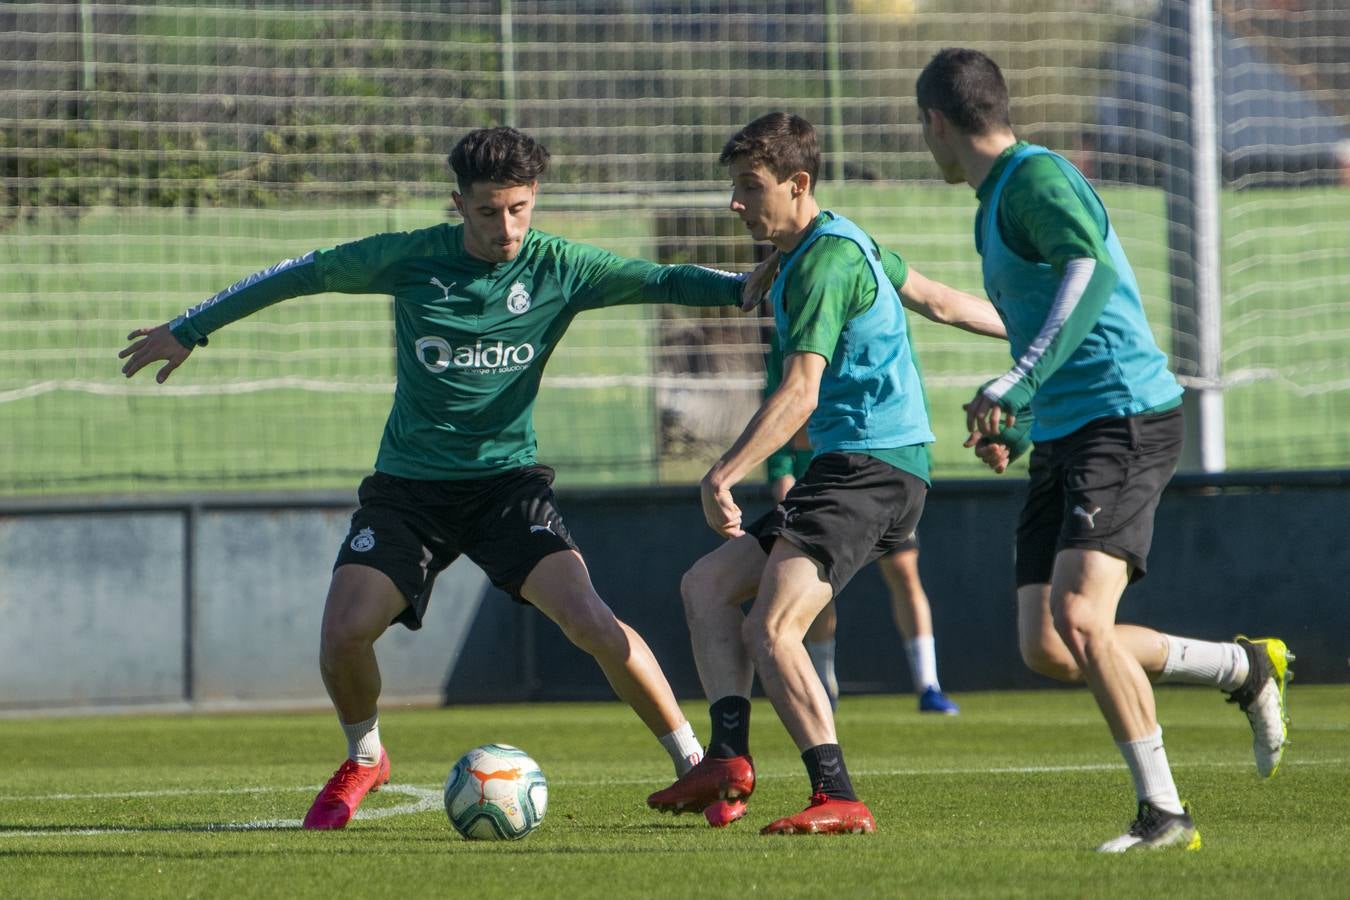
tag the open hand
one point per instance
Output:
(155, 344)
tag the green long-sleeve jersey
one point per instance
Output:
(471, 337)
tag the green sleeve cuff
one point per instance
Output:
(187, 333)
(1017, 399)
(1017, 437)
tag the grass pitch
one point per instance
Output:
(1006, 800)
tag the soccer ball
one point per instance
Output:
(496, 793)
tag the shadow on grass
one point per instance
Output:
(104, 828)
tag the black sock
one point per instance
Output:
(829, 776)
(730, 727)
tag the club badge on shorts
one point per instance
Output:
(364, 540)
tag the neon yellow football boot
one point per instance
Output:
(1262, 698)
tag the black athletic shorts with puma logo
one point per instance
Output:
(1097, 489)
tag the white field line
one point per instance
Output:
(424, 799)
(428, 798)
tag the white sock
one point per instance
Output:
(922, 654)
(822, 658)
(1152, 776)
(1205, 662)
(363, 740)
(683, 747)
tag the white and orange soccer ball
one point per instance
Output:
(496, 793)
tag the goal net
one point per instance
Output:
(153, 153)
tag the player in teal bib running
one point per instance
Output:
(1107, 437)
(478, 309)
(849, 376)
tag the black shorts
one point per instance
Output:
(411, 530)
(847, 510)
(1097, 489)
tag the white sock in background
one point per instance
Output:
(922, 654)
(1152, 776)
(363, 740)
(1205, 662)
(683, 747)
(822, 658)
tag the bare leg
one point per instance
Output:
(909, 602)
(560, 588)
(1044, 651)
(1084, 594)
(361, 603)
(792, 593)
(713, 591)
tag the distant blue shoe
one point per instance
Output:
(933, 700)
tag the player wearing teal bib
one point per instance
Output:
(899, 569)
(849, 377)
(1107, 436)
(479, 307)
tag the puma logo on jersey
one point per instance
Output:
(445, 288)
(1090, 516)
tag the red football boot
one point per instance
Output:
(826, 815)
(706, 783)
(337, 802)
(724, 812)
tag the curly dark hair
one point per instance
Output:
(502, 155)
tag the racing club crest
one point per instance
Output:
(364, 540)
(519, 299)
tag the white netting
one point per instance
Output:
(151, 154)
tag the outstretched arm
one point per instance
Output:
(173, 341)
(948, 306)
(354, 268)
(596, 278)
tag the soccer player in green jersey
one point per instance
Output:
(478, 309)
(1107, 438)
(849, 376)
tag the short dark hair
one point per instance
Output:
(967, 88)
(781, 142)
(502, 155)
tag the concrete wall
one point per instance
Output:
(200, 605)
(217, 601)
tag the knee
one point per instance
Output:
(698, 591)
(763, 640)
(1050, 658)
(1082, 633)
(593, 627)
(345, 630)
